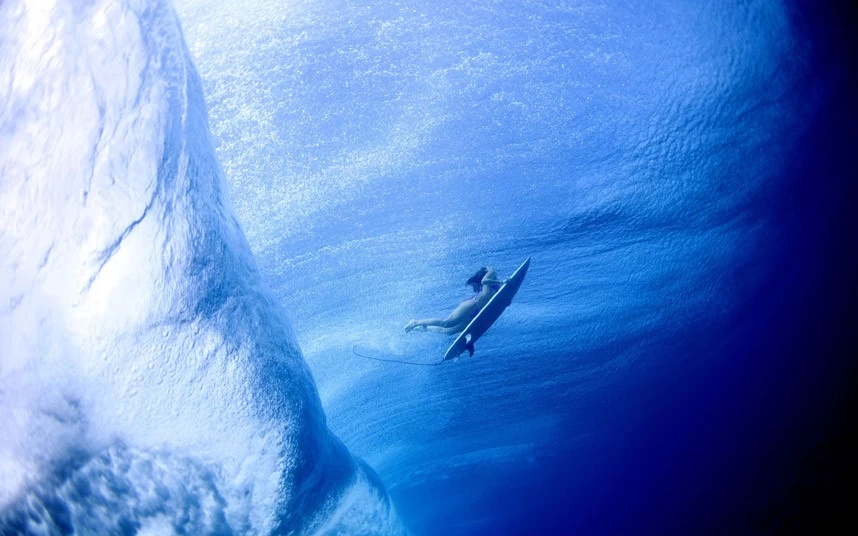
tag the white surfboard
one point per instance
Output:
(488, 314)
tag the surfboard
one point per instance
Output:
(488, 314)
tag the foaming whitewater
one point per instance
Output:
(649, 156)
(148, 380)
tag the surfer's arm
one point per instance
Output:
(487, 281)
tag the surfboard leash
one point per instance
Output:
(355, 352)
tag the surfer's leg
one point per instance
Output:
(412, 324)
(450, 330)
(454, 323)
(424, 323)
(428, 322)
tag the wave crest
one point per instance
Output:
(149, 379)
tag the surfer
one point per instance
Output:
(485, 284)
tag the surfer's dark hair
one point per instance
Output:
(476, 281)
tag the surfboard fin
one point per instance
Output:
(469, 346)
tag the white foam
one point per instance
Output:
(132, 315)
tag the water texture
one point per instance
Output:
(677, 360)
(150, 380)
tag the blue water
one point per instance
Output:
(204, 211)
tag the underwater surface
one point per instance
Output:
(211, 210)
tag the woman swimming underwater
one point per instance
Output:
(485, 285)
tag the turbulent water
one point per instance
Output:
(150, 381)
(654, 158)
